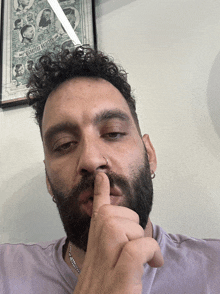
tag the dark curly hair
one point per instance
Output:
(54, 69)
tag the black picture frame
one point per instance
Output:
(17, 55)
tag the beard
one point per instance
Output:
(138, 193)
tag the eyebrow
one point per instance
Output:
(111, 114)
(58, 128)
(105, 115)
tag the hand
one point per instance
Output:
(117, 249)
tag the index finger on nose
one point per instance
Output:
(101, 191)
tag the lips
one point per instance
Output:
(88, 194)
(86, 199)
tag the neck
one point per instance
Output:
(79, 254)
(148, 232)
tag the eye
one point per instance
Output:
(65, 147)
(114, 135)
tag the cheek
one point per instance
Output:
(128, 158)
(61, 173)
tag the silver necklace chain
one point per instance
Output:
(72, 260)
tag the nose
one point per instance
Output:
(92, 158)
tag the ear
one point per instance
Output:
(49, 186)
(151, 153)
(48, 183)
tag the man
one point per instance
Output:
(45, 20)
(70, 13)
(18, 24)
(22, 5)
(19, 70)
(73, 17)
(99, 171)
(30, 17)
(30, 65)
(27, 33)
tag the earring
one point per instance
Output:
(54, 200)
(153, 175)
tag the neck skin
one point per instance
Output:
(79, 254)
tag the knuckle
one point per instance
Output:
(104, 211)
(104, 208)
(152, 243)
(111, 227)
(137, 217)
(112, 223)
(130, 250)
(141, 230)
(107, 218)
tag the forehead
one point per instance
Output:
(79, 100)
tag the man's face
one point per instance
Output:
(68, 45)
(29, 65)
(72, 19)
(29, 33)
(85, 121)
(23, 2)
(29, 16)
(18, 25)
(47, 15)
(20, 71)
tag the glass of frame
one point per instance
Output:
(30, 27)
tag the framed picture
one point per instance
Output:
(31, 27)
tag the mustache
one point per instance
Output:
(87, 182)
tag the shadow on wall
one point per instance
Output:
(110, 5)
(213, 94)
(30, 215)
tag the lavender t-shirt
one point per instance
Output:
(191, 266)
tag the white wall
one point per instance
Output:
(171, 51)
